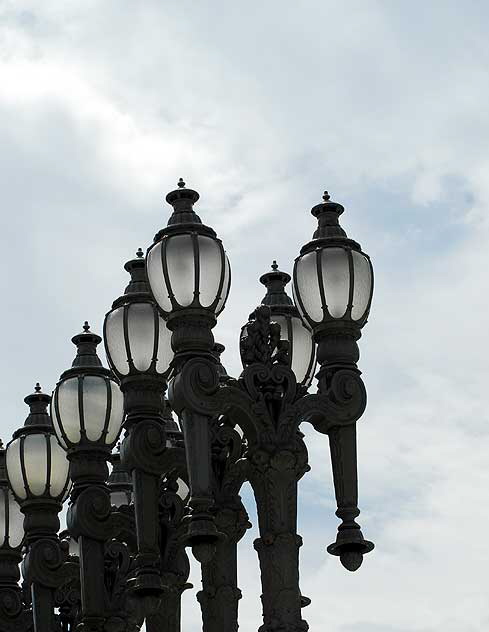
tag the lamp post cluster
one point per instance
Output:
(190, 436)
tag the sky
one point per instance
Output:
(260, 106)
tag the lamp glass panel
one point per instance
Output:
(303, 351)
(297, 304)
(16, 522)
(308, 286)
(210, 270)
(181, 268)
(36, 462)
(114, 338)
(336, 280)
(14, 470)
(68, 409)
(56, 425)
(94, 406)
(59, 468)
(116, 414)
(165, 352)
(225, 286)
(141, 333)
(156, 278)
(362, 279)
(301, 347)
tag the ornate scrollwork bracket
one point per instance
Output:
(45, 563)
(260, 340)
(90, 515)
(144, 447)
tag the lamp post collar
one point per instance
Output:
(275, 282)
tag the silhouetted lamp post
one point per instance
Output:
(184, 456)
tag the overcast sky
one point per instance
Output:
(260, 106)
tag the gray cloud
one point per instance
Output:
(104, 105)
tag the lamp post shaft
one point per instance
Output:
(220, 595)
(275, 484)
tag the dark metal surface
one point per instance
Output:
(183, 461)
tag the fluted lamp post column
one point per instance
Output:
(37, 470)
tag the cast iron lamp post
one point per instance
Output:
(170, 489)
(87, 413)
(138, 348)
(38, 473)
(13, 613)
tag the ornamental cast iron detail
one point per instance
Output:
(190, 436)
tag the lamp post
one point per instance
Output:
(13, 613)
(333, 285)
(189, 275)
(176, 484)
(37, 470)
(87, 416)
(138, 348)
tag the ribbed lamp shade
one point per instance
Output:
(333, 278)
(36, 465)
(187, 266)
(87, 404)
(11, 520)
(136, 337)
(333, 283)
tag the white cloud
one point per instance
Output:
(104, 105)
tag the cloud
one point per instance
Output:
(260, 107)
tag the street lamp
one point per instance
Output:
(12, 610)
(176, 478)
(87, 410)
(37, 470)
(333, 287)
(137, 342)
(189, 276)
